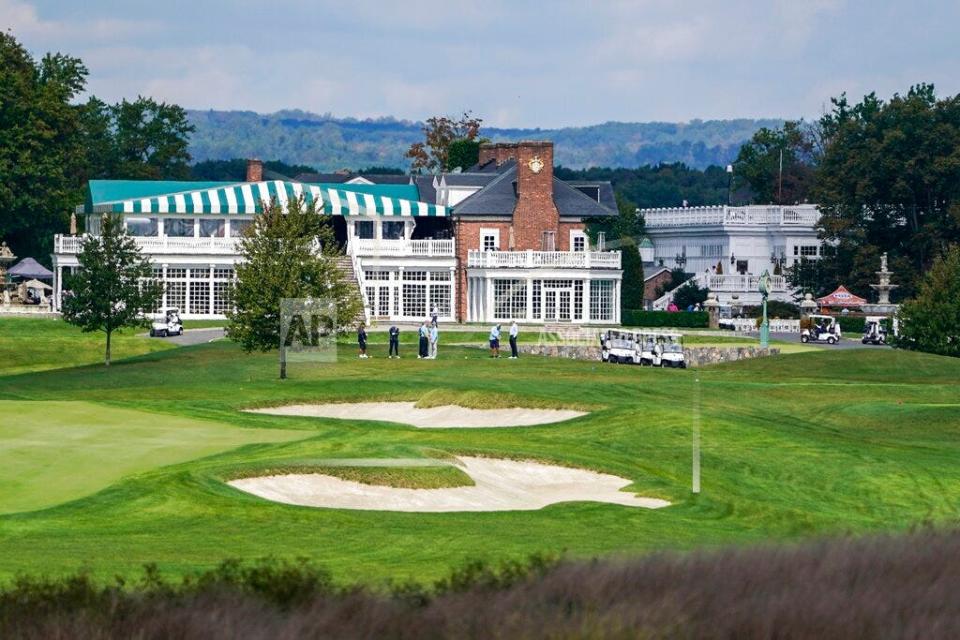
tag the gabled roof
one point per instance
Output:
(427, 192)
(468, 179)
(603, 188)
(499, 198)
(842, 298)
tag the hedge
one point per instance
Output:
(851, 325)
(686, 319)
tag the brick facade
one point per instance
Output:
(254, 170)
(535, 211)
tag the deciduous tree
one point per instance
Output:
(433, 154)
(114, 287)
(289, 252)
(931, 321)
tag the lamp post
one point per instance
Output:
(729, 182)
(764, 289)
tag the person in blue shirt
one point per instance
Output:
(394, 341)
(514, 332)
(495, 342)
(434, 338)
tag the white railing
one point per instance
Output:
(64, 244)
(804, 215)
(551, 259)
(735, 283)
(427, 248)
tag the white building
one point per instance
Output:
(743, 241)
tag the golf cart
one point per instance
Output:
(823, 329)
(620, 346)
(166, 323)
(650, 351)
(672, 351)
(873, 331)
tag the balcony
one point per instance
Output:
(366, 247)
(805, 215)
(544, 259)
(740, 283)
(65, 244)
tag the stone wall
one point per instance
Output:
(695, 356)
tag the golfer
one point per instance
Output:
(362, 340)
(434, 338)
(394, 341)
(424, 340)
(495, 341)
(514, 332)
(434, 314)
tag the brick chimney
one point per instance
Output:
(535, 212)
(254, 170)
(488, 152)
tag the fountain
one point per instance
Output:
(883, 306)
(6, 257)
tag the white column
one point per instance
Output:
(453, 292)
(488, 311)
(400, 291)
(529, 298)
(616, 301)
(586, 300)
(210, 289)
(58, 288)
(163, 301)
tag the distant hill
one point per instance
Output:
(329, 143)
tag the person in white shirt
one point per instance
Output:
(434, 338)
(514, 332)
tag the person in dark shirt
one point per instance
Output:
(362, 340)
(394, 341)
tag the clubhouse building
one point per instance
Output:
(502, 240)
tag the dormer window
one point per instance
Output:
(490, 239)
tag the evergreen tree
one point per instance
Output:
(287, 253)
(113, 288)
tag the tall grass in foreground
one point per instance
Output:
(879, 587)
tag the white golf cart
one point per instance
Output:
(620, 346)
(166, 323)
(672, 351)
(824, 329)
(873, 331)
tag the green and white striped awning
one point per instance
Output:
(249, 197)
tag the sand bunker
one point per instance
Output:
(500, 485)
(432, 418)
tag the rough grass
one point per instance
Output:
(438, 476)
(482, 400)
(37, 344)
(883, 587)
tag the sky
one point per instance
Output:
(545, 64)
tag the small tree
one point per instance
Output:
(931, 321)
(439, 133)
(287, 253)
(113, 288)
(689, 294)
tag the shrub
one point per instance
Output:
(685, 319)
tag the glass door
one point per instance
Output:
(563, 308)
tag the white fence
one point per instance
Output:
(805, 215)
(749, 325)
(374, 247)
(733, 283)
(553, 259)
(64, 244)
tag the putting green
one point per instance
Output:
(52, 452)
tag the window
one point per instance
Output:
(222, 295)
(199, 296)
(440, 276)
(805, 250)
(490, 239)
(578, 241)
(212, 228)
(743, 266)
(537, 307)
(414, 275)
(239, 227)
(178, 227)
(414, 300)
(176, 294)
(376, 275)
(223, 273)
(548, 241)
(200, 274)
(363, 229)
(711, 250)
(440, 298)
(141, 227)
(601, 300)
(392, 230)
(509, 299)
(176, 273)
(578, 300)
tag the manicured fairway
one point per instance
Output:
(821, 442)
(52, 452)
